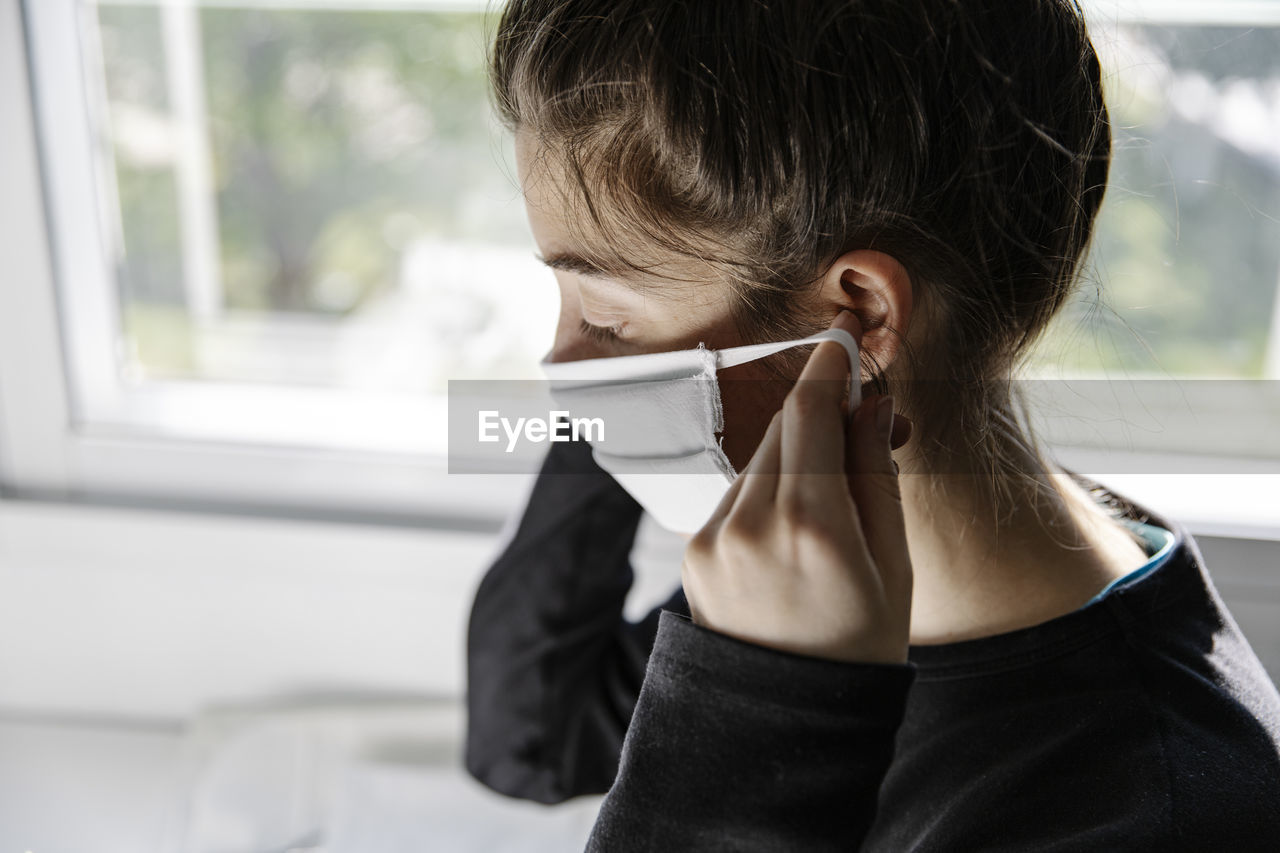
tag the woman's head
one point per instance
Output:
(751, 167)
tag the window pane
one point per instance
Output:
(315, 197)
(1187, 248)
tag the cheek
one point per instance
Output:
(749, 398)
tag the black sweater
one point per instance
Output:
(1143, 721)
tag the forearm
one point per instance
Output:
(553, 668)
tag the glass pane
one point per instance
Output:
(1186, 260)
(315, 197)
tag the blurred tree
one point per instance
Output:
(333, 134)
(1186, 255)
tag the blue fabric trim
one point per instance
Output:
(1159, 546)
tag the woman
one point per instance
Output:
(985, 652)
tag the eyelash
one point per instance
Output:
(600, 334)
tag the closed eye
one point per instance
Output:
(600, 334)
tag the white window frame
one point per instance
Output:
(106, 449)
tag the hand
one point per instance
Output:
(807, 552)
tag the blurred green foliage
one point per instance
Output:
(1185, 266)
(337, 137)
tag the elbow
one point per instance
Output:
(503, 746)
(509, 774)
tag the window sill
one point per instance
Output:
(1220, 496)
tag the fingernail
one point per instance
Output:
(884, 416)
(845, 319)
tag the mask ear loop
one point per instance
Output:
(751, 352)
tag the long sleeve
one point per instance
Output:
(553, 668)
(737, 746)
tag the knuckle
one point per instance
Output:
(792, 513)
(804, 520)
(740, 552)
(701, 548)
(739, 529)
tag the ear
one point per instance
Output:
(875, 287)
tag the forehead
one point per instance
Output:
(569, 237)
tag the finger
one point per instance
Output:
(852, 324)
(762, 469)
(761, 473)
(813, 425)
(873, 483)
(726, 503)
(901, 430)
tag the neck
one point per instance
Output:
(982, 568)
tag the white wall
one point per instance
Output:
(108, 611)
(127, 612)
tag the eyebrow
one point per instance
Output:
(569, 262)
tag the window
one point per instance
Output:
(1176, 333)
(1188, 243)
(310, 197)
(280, 229)
(279, 226)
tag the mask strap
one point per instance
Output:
(752, 352)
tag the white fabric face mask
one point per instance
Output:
(659, 414)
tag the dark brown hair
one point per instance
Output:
(968, 139)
